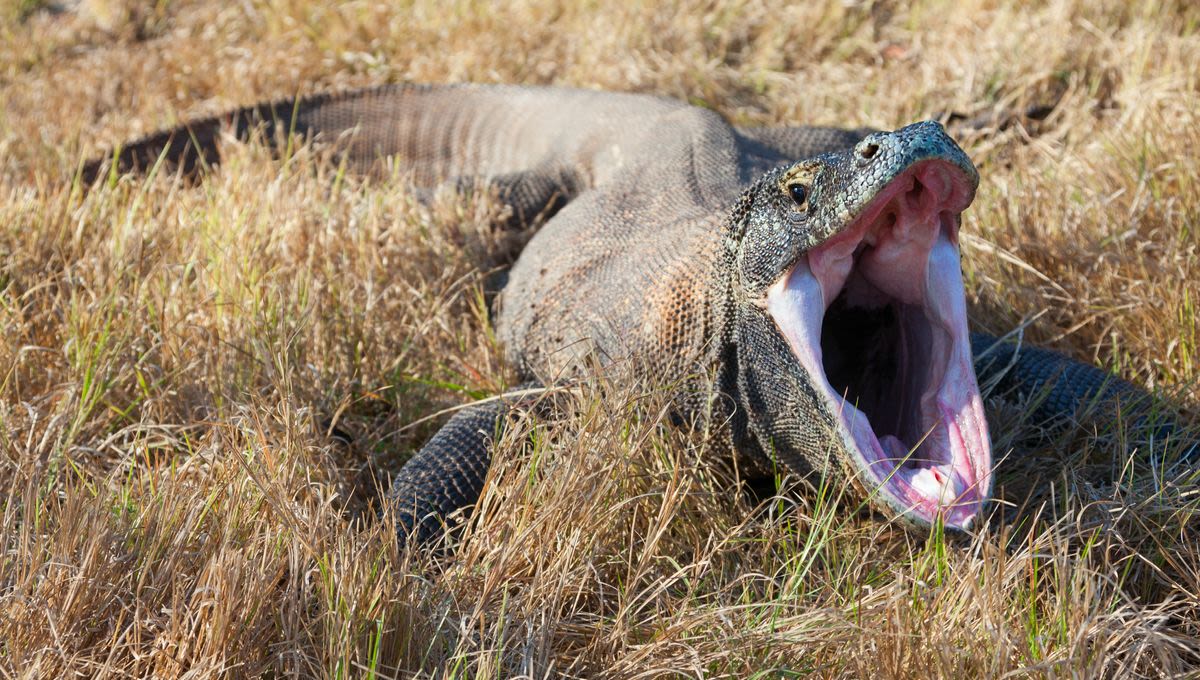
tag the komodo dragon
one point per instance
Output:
(822, 295)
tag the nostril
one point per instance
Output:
(867, 151)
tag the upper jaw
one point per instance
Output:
(860, 175)
(932, 459)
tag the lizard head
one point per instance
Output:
(850, 324)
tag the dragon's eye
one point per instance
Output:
(798, 193)
(797, 182)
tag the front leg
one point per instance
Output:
(448, 473)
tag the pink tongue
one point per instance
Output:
(937, 483)
(933, 483)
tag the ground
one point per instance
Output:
(177, 504)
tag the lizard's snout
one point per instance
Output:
(924, 139)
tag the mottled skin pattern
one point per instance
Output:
(667, 225)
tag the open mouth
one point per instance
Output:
(877, 316)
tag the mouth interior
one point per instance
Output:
(877, 316)
(880, 354)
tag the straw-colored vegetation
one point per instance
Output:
(172, 505)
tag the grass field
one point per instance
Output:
(172, 506)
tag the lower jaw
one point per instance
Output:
(920, 495)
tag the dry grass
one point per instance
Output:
(174, 508)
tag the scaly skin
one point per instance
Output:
(669, 229)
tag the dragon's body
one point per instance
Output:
(805, 279)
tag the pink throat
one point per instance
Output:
(917, 433)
